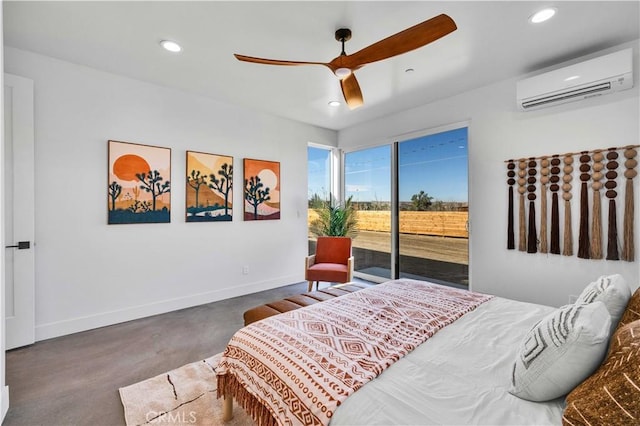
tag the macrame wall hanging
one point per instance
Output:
(597, 169)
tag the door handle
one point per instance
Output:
(22, 245)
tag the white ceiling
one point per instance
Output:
(494, 41)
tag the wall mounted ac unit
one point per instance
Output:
(595, 77)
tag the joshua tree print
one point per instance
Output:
(209, 184)
(114, 192)
(151, 182)
(261, 189)
(136, 189)
(196, 181)
(254, 194)
(224, 184)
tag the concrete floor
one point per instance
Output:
(74, 379)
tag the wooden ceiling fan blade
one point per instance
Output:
(274, 61)
(351, 91)
(404, 41)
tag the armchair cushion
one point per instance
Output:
(331, 272)
(333, 250)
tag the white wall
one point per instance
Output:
(4, 391)
(90, 274)
(497, 132)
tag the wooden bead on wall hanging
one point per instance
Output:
(583, 236)
(630, 164)
(510, 181)
(522, 234)
(532, 235)
(554, 246)
(567, 249)
(596, 223)
(610, 184)
(555, 173)
(544, 179)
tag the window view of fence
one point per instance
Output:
(434, 208)
(432, 202)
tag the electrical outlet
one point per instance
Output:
(572, 298)
(245, 270)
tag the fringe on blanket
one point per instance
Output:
(229, 386)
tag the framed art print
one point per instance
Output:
(139, 188)
(209, 187)
(261, 189)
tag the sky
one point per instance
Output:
(435, 164)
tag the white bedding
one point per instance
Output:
(460, 376)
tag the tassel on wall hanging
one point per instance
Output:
(567, 250)
(612, 234)
(596, 223)
(532, 237)
(629, 174)
(583, 236)
(511, 244)
(544, 179)
(554, 246)
(522, 234)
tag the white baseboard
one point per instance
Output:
(5, 403)
(75, 325)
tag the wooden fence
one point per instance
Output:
(444, 224)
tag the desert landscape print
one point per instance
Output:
(209, 187)
(261, 189)
(139, 188)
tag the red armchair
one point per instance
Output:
(332, 262)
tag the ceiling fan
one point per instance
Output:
(344, 65)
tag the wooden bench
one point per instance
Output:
(298, 301)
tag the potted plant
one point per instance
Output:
(335, 219)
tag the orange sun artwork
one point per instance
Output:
(127, 166)
(139, 183)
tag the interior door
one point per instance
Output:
(18, 163)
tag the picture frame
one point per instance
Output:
(261, 189)
(139, 183)
(209, 187)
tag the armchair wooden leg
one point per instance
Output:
(310, 286)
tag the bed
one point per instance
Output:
(452, 366)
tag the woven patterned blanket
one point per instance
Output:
(295, 368)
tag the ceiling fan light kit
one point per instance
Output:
(344, 66)
(342, 73)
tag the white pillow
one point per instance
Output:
(613, 291)
(561, 351)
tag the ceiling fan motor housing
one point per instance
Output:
(343, 34)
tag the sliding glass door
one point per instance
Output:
(433, 207)
(367, 180)
(412, 202)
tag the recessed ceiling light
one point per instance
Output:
(334, 103)
(543, 15)
(573, 77)
(171, 46)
